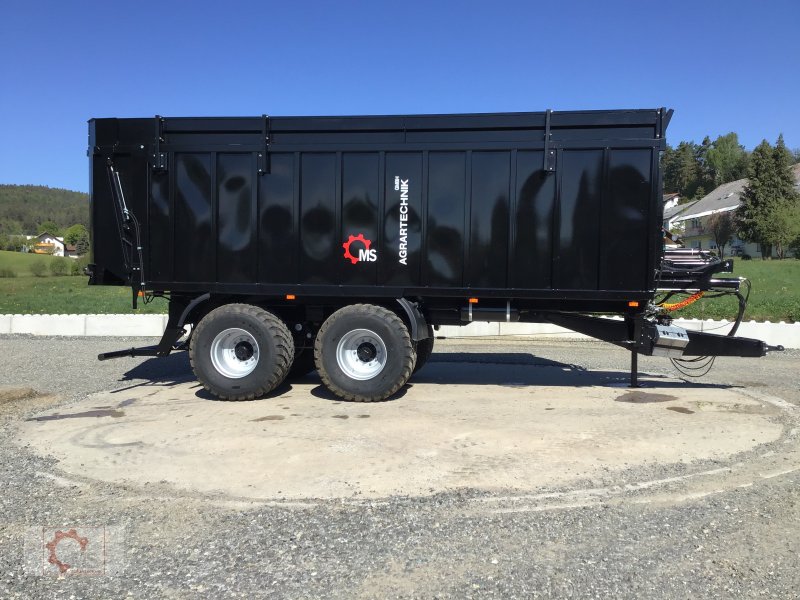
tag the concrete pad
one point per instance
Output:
(487, 427)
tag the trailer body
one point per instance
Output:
(550, 206)
(441, 219)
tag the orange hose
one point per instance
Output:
(683, 303)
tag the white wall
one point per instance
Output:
(48, 239)
(785, 334)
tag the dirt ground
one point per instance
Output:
(506, 468)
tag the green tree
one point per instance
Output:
(769, 200)
(28, 205)
(787, 216)
(685, 169)
(699, 193)
(786, 228)
(82, 246)
(71, 234)
(13, 243)
(752, 216)
(705, 179)
(48, 227)
(794, 246)
(784, 160)
(727, 159)
(722, 228)
(77, 236)
(681, 170)
(668, 170)
(10, 226)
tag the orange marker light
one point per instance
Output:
(473, 300)
(633, 303)
(290, 296)
(140, 294)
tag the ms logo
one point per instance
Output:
(365, 253)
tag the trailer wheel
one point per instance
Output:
(424, 349)
(364, 353)
(241, 352)
(303, 363)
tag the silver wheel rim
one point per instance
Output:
(361, 354)
(234, 353)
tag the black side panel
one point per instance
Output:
(399, 255)
(160, 228)
(319, 242)
(277, 240)
(360, 192)
(452, 205)
(532, 254)
(575, 264)
(445, 241)
(488, 246)
(194, 240)
(236, 214)
(624, 223)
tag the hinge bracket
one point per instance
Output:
(263, 155)
(158, 159)
(549, 162)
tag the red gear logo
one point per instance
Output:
(355, 238)
(52, 545)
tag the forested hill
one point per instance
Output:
(23, 208)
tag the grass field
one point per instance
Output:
(67, 295)
(775, 296)
(20, 263)
(26, 294)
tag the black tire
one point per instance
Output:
(342, 329)
(303, 363)
(424, 349)
(272, 353)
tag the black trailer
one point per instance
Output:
(285, 244)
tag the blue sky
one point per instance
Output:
(723, 66)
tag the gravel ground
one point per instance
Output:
(739, 543)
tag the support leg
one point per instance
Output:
(634, 369)
(634, 336)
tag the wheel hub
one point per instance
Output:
(366, 352)
(361, 354)
(243, 350)
(234, 353)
